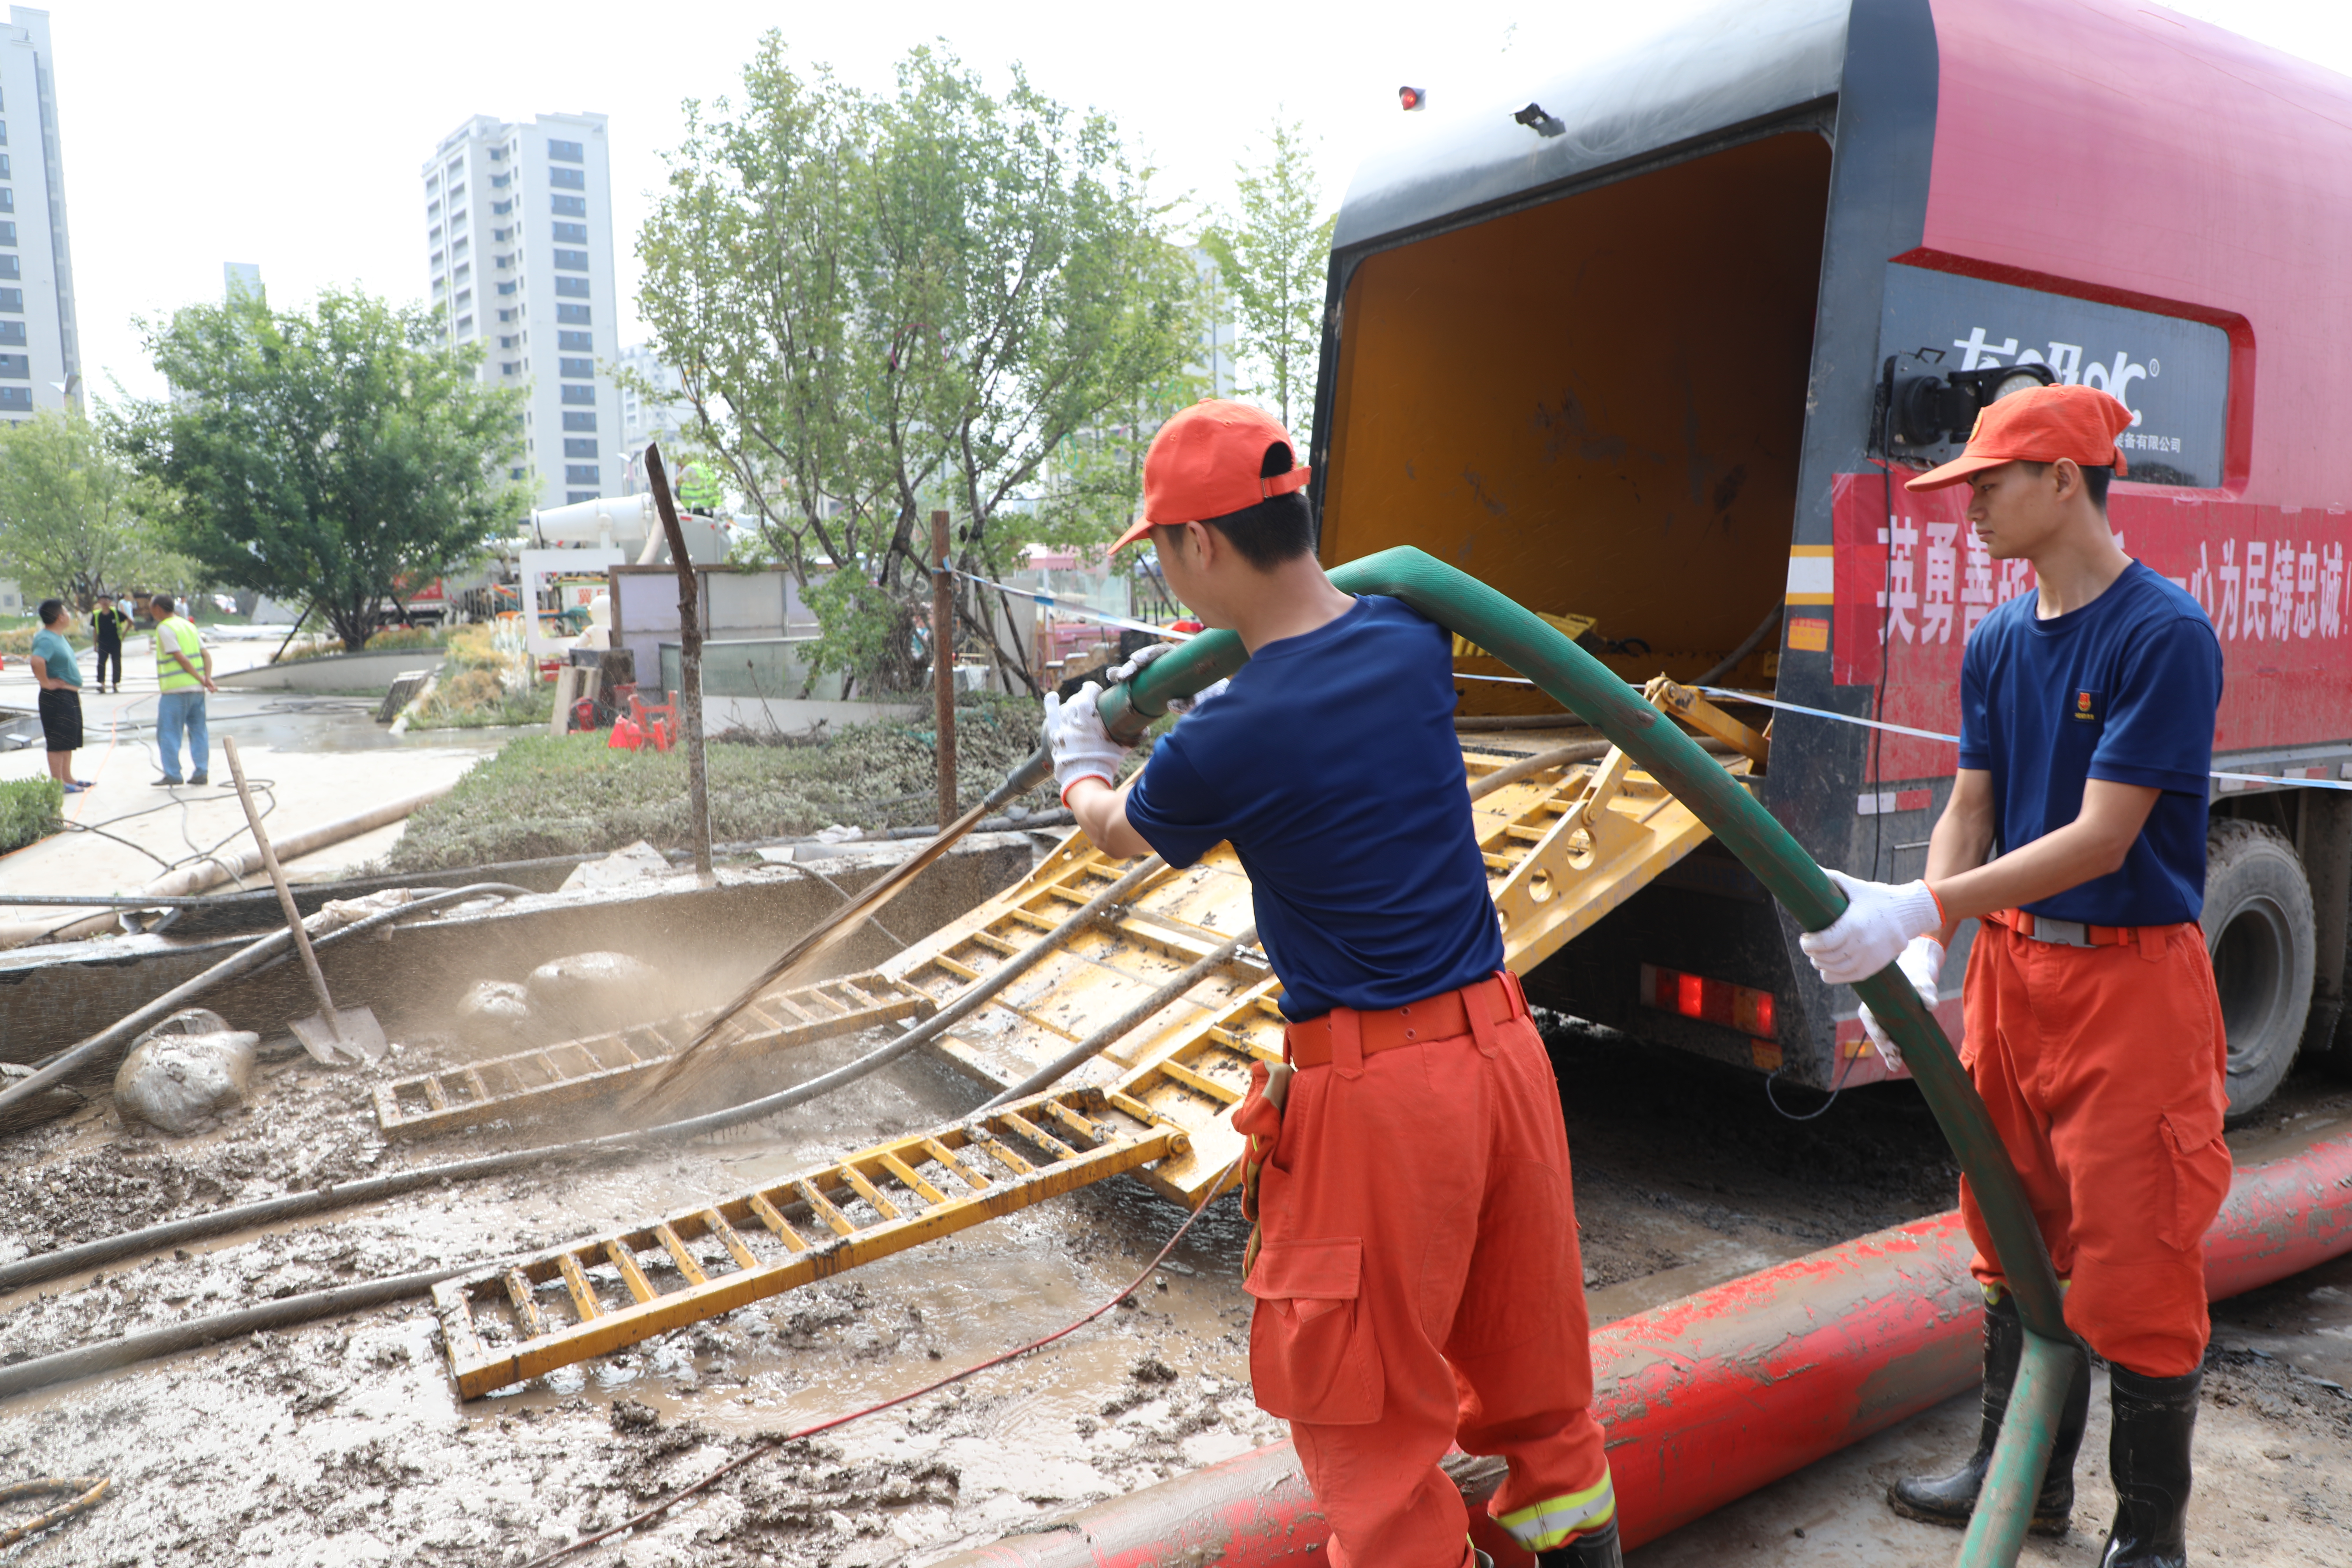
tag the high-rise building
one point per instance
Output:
(40, 351)
(519, 235)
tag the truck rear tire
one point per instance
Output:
(2258, 930)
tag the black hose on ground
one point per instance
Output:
(128, 1350)
(252, 956)
(196, 1227)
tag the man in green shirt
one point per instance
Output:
(59, 674)
(184, 673)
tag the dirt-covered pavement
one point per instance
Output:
(344, 1441)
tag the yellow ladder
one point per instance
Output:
(1563, 846)
(602, 1069)
(591, 1298)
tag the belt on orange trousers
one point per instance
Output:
(1314, 1042)
(2064, 933)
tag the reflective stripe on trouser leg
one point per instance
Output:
(1541, 1526)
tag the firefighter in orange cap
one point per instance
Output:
(1416, 1266)
(2094, 1030)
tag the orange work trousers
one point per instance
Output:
(2105, 1071)
(1418, 1286)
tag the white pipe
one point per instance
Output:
(206, 873)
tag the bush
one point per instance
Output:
(471, 692)
(30, 810)
(545, 795)
(392, 639)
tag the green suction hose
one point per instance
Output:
(1582, 684)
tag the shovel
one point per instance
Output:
(337, 1036)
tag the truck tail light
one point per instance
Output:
(1740, 1007)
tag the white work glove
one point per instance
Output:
(1082, 748)
(1921, 963)
(1176, 705)
(1879, 919)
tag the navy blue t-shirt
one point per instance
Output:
(2124, 690)
(1331, 766)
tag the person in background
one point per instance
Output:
(108, 623)
(59, 673)
(184, 673)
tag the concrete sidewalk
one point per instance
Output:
(314, 759)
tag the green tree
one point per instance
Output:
(70, 519)
(330, 456)
(881, 305)
(1273, 255)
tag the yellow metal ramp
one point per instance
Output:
(591, 1298)
(599, 1069)
(1564, 844)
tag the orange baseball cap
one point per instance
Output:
(1204, 465)
(2040, 425)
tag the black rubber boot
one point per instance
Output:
(1593, 1549)
(2156, 1417)
(1951, 1499)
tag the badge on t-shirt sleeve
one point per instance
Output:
(2086, 707)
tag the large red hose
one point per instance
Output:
(1708, 1398)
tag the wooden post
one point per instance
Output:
(943, 665)
(689, 662)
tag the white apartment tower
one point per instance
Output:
(40, 352)
(518, 234)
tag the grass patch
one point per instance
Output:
(30, 810)
(544, 795)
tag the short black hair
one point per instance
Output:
(1278, 529)
(52, 611)
(2094, 480)
(166, 600)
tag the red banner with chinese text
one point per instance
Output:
(1912, 581)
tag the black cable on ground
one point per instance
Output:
(285, 1312)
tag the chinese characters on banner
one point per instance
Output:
(1912, 581)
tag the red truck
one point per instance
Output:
(1653, 339)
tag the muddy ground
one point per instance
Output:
(344, 1442)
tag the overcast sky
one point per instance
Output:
(291, 135)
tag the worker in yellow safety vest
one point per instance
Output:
(184, 673)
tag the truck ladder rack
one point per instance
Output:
(522, 1318)
(601, 1068)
